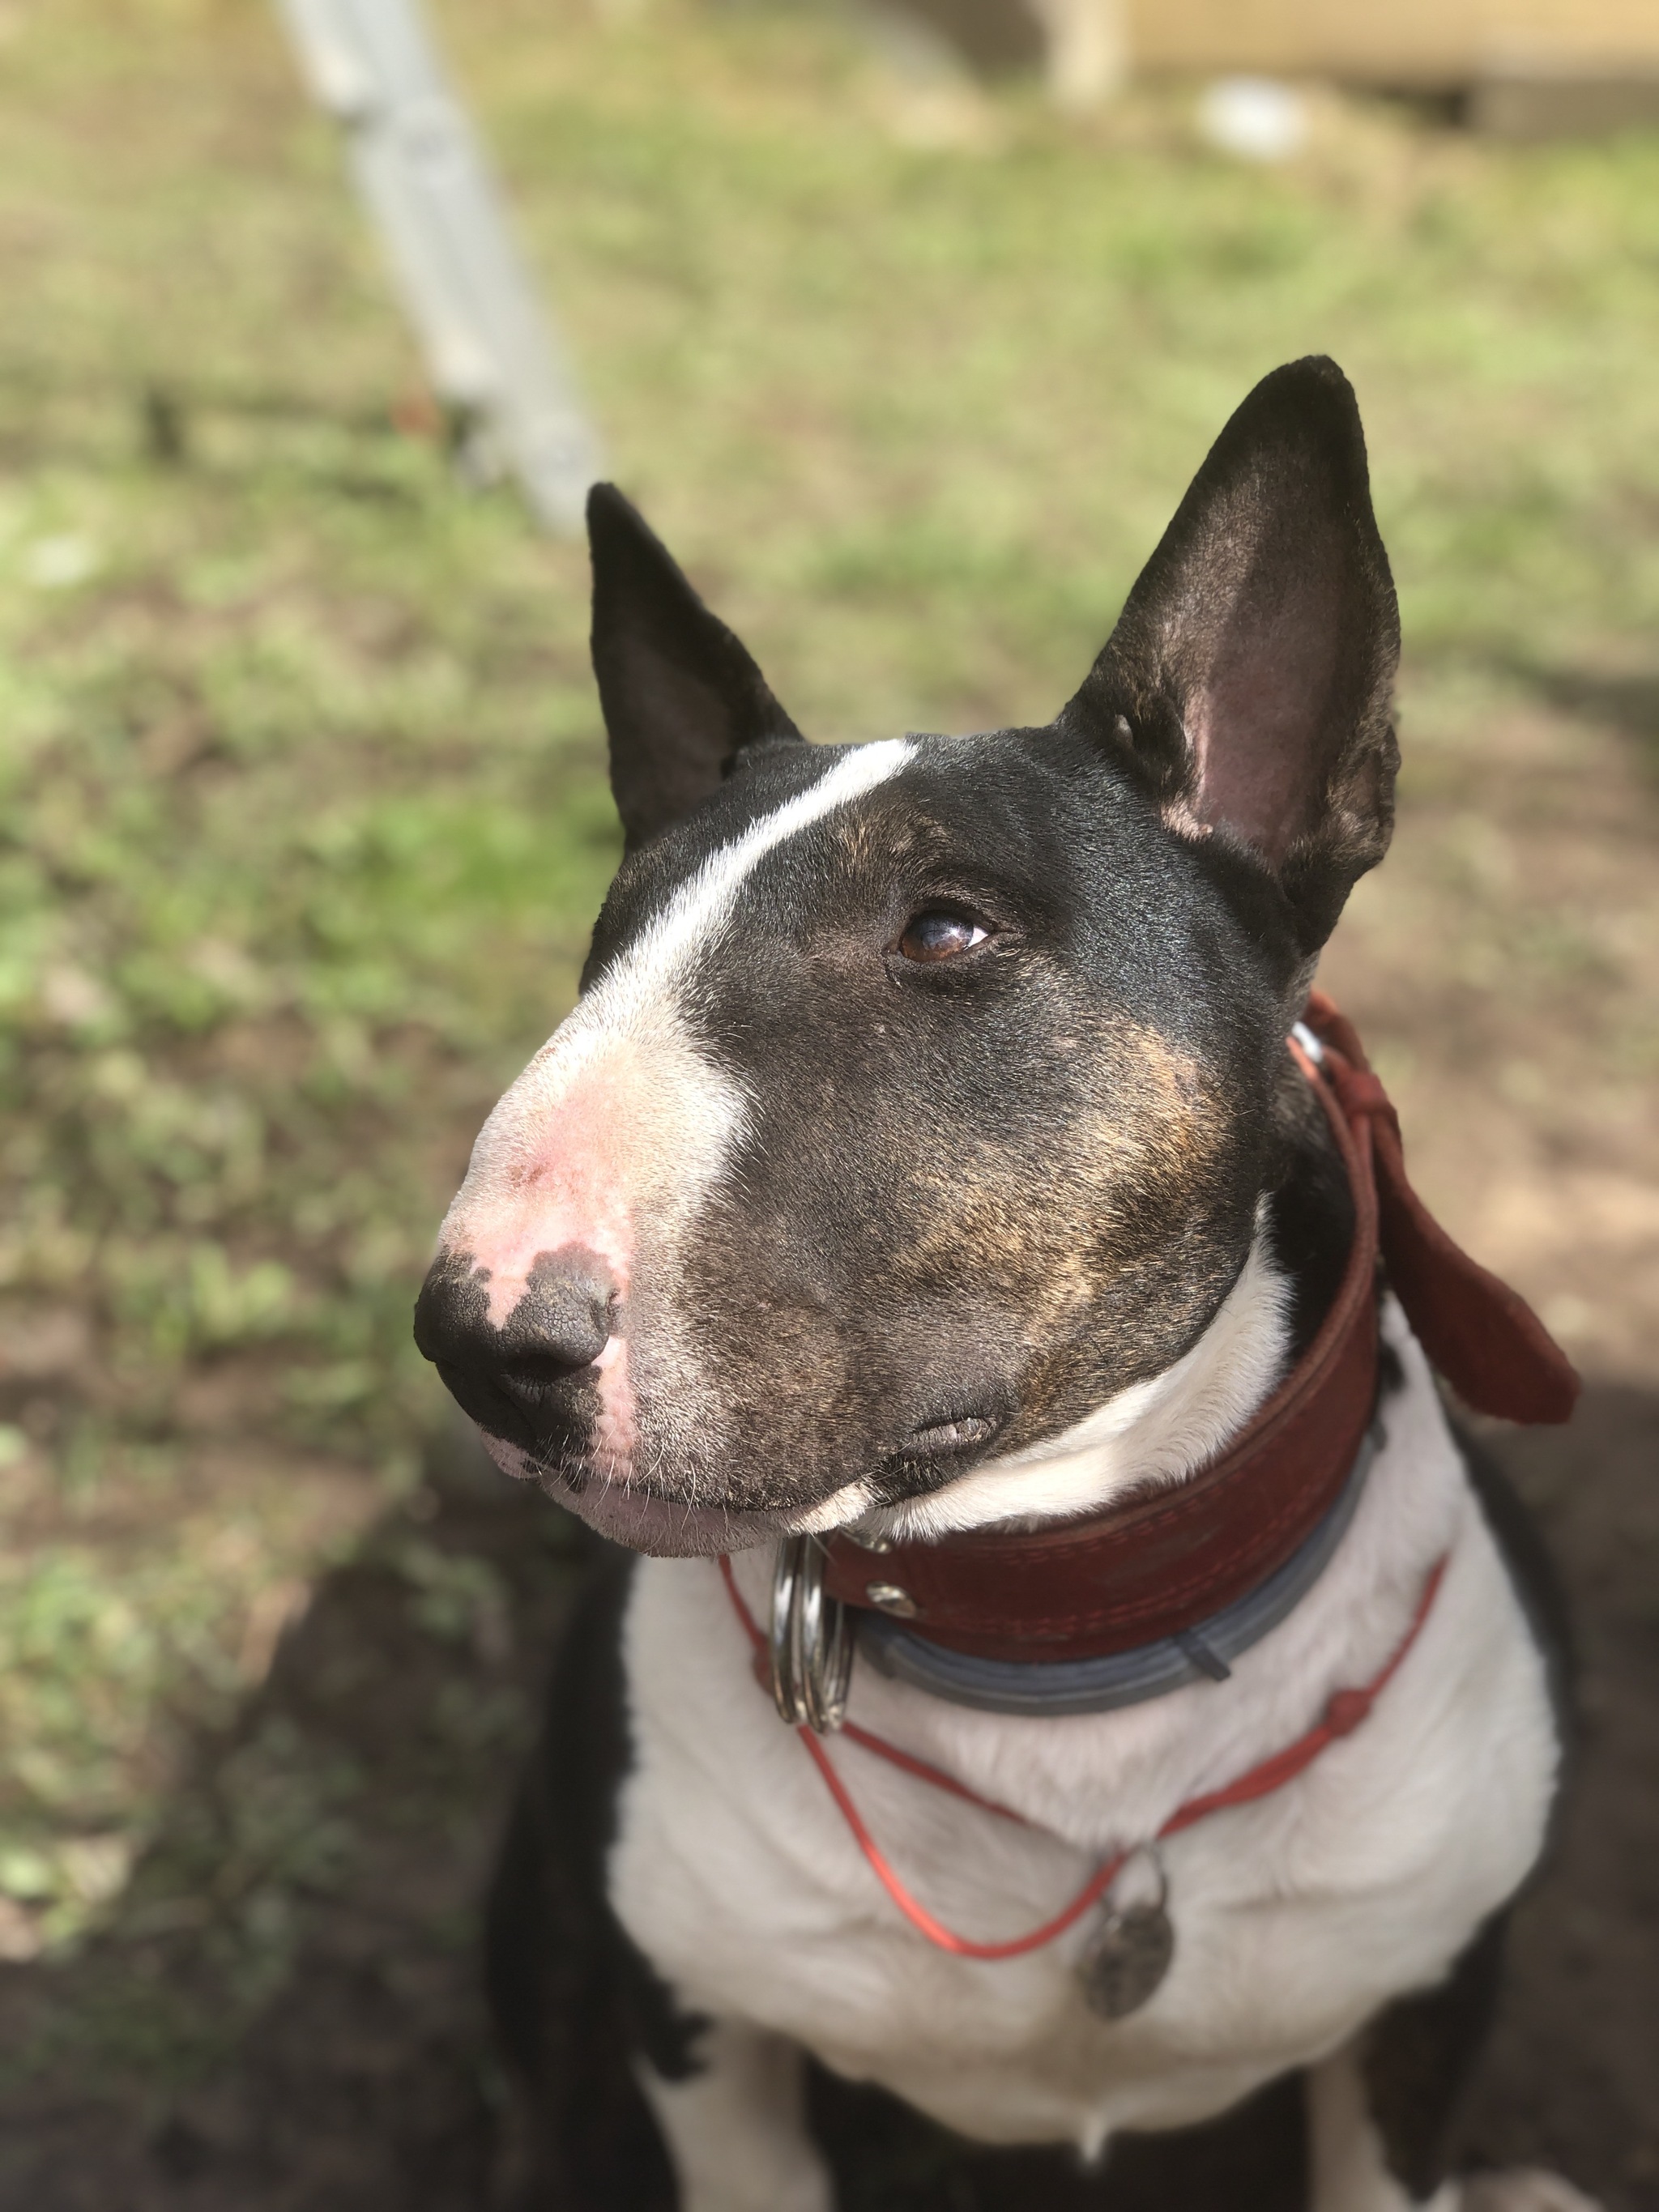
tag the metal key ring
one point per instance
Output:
(810, 1640)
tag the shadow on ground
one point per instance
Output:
(1627, 704)
(285, 2013)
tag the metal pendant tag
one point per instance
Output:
(1129, 1954)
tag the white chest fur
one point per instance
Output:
(1296, 1918)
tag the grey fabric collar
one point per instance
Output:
(1054, 1688)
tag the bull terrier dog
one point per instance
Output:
(1057, 1662)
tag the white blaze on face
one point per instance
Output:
(621, 1120)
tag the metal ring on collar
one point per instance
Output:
(810, 1640)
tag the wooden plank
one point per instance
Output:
(1428, 42)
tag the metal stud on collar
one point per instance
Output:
(811, 1640)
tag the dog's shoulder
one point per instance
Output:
(573, 1996)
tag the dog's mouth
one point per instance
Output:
(605, 1489)
(666, 1527)
(938, 1447)
(949, 1437)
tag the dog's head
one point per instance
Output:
(916, 1102)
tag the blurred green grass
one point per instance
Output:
(301, 811)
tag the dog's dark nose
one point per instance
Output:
(508, 1374)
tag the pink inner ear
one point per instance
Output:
(1258, 718)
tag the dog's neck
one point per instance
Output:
(1158, 1432)
(1309, 1207)
(1155, 1432)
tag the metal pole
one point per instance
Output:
(490, 352)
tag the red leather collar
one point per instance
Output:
(1155, 1565)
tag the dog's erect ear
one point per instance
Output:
(1248, 679)
(681, 696)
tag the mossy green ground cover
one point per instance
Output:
(303, 813)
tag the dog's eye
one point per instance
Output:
(937, 934)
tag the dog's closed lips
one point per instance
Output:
(958, 1434)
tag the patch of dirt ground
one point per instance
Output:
(284, 2012)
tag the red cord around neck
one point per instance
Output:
(1344, 1711)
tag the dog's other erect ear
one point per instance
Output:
(1249, 680)
(681, 696)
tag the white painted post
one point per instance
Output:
(418, 165)
(1086, 51)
